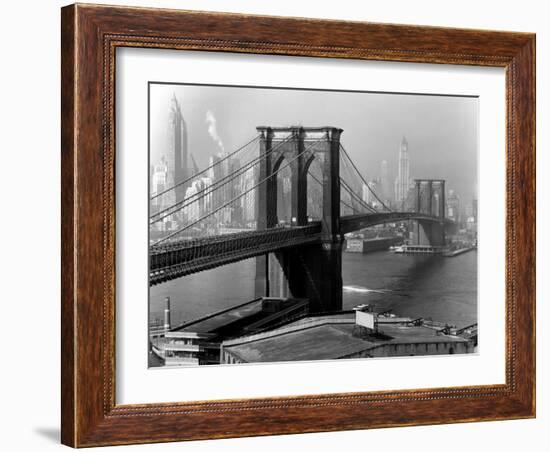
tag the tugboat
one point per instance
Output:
(397, 249)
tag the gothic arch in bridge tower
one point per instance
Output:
(312, 271)
(281, 184)
(307, 253)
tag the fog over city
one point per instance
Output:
(298, 225)
(441, 131)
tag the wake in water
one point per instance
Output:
(365, 290)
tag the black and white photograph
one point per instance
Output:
(235, 225)
(300, 225)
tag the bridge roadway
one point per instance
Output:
(183, 257)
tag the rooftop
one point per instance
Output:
(235, 320)
(326, 337)
(213, 322)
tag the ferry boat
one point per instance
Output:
(419, 249)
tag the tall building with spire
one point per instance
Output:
(385, 187)
(177, 157)
(403, 180)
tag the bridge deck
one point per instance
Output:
(183, 257)
(350, 223)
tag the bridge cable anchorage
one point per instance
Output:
(211, 188)
(363, 179)
(179, 231)
(256, 137)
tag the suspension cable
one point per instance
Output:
(351, 192)
(206, 169)
(169, 236)
(348, 189)
(363, 179)
(347, 205)
(211, 188)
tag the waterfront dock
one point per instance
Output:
(360, 245)
(453, 253)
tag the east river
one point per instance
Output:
(441, 288)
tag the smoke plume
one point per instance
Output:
(212, 129)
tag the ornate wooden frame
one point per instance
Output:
(90, 35)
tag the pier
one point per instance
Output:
(457, 252)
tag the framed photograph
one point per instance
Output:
(281, 225)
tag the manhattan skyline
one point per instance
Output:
(441, 131)
(278, 209)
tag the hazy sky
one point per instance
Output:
(441, 130)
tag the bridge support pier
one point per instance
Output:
(311, 271)
(430, 200)
(278, 270)
(321, 268)
(261, 286)
(272, 275)
(429, 233)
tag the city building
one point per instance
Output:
(171, 169)
(236, 214)
(176, 154)
(348, 204)
(160, 181)
(365, 195)
(221, 167)
(403, 180)
(191, 210)
(453, 206)
(368, 193)
(348, 334)
(198, 199)
(471, 217)
(385, 187)
(199, 341)
(248, 198)
(216, 172)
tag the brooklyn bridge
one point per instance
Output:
(300, 253)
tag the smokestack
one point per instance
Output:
(167, 314)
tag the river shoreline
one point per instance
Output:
(432, 287)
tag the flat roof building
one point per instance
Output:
(339, 336)
(198, 341)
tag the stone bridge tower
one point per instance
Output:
(311, 271)
(430, 200)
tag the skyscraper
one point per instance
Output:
(385, 189)
(453, 206)
(198, 199)
(159, 183)
(365, 195)
(368, 192)
(176, 155)
(248, 199)
(403, 180)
